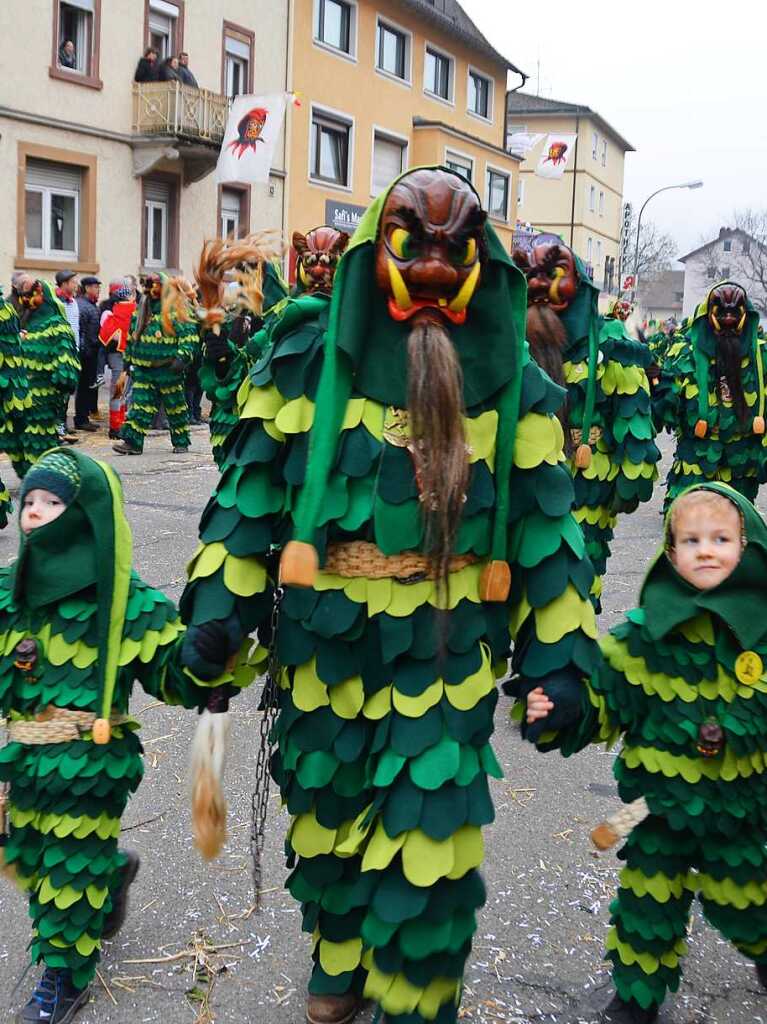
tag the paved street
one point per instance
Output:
(538, 951)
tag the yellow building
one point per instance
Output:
(584, 206)
(389, 85)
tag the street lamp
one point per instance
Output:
(666, 188)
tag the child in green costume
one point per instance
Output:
(77, 628)
(683, 683)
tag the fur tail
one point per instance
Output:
(209, 750)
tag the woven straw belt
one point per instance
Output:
(361, 558)
(56, 725)
(594, 435)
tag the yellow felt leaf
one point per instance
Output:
(379, 595)
(84, 655)
(339, 957)
(564, 614)
(259, 403)
(310, 839)
(309, 692)
(381, 850)
(351, 842)
(395, 993)
(466, 695)
(129, 651)
(438, 992)
(538, 439)
(378, 705)
(96, 896)
(244, 576)
(208, 559)
(59, 651)
(347, 698)
(416, 707)
(373, 418)
(481, 434)
(468, 850)
(406, 597)
(296, 416)
(86, 944)
(425, 860)
(355, 407)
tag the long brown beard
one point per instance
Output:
(728, 358)
(547, 338)
(435, 406)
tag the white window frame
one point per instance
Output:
(47, 252)
(450, 101)
(520, 192)
(471, 70)
(594, 145)
(151, 205)
(351, 54)
(408, 37)
(452, 151)
(589, 250)
(170, 13)
(598, 257)
(343, 118)
(601, 203)
(592, 198)
(492, 169)
(226, 215)
(604, 152)
(388, 136)
(727, 245)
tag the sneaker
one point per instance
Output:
(101, 379)
(90, 427)
(116, 918)
(55, 999)
(123, 448)
(180, 451)
(626, 1011)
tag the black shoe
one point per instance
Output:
(123, 448)
(761, 973)
(119, 911)
(180, 451)
(98, 381)
(114, 435)
(91, 427)
(626, 1011)
(55, 999)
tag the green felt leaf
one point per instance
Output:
(437, 765)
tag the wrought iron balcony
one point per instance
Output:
(172, 122)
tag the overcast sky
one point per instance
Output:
(685, 85)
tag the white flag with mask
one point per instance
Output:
(250, 139)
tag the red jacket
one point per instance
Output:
(115, 324)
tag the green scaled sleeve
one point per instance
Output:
(188, 340)
(629, 431)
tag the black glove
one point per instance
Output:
(240, 330)
(207, 648)
(218, 699)
(216, 347)
(565, 689)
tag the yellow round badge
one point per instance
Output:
(748, 667)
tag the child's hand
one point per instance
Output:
(538, 705)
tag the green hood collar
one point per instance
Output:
(739, 601)
(90, 543)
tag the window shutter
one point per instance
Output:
(156, 191)
(42, 174)
(230, 202)
(237, 48)
(83, 5)
(387, 162)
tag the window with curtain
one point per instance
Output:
(334, 24)
(391, 50)
(438, 74)
(52, 210)
(604, 152)
(462, 164)
(330, 149)
(479, 94)
(76, 27)
(388, 161)
(231, 211)
(594, 144)
(601, 204)
(237, 71)
(163, 27)
(498, 195)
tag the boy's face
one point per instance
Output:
(40, 507)
(707, 544)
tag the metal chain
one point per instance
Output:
(270, 707)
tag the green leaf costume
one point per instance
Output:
(222, 390)
(15, 399)
(608, 402)
(688, 392)
(97, 628)
(383, 738)
(668, 669)
(156, 381)
(52, 365)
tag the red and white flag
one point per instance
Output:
(555, 155)
(250, 139)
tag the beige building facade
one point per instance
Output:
(387, 85)
(110, 177)
(584, 206)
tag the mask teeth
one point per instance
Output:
(462, 299)
(398, 287)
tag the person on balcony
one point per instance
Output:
(169, 70)
(186, 76)
(147, 69)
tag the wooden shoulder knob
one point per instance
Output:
(701, 428)
(582, 456)
(299, 564)
(102, 732)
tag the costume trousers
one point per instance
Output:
(386, 839)
(86, 395)
(725, 867)
(151, 389)
(65, 809)
(117, 406)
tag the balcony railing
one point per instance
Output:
(172, 109)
